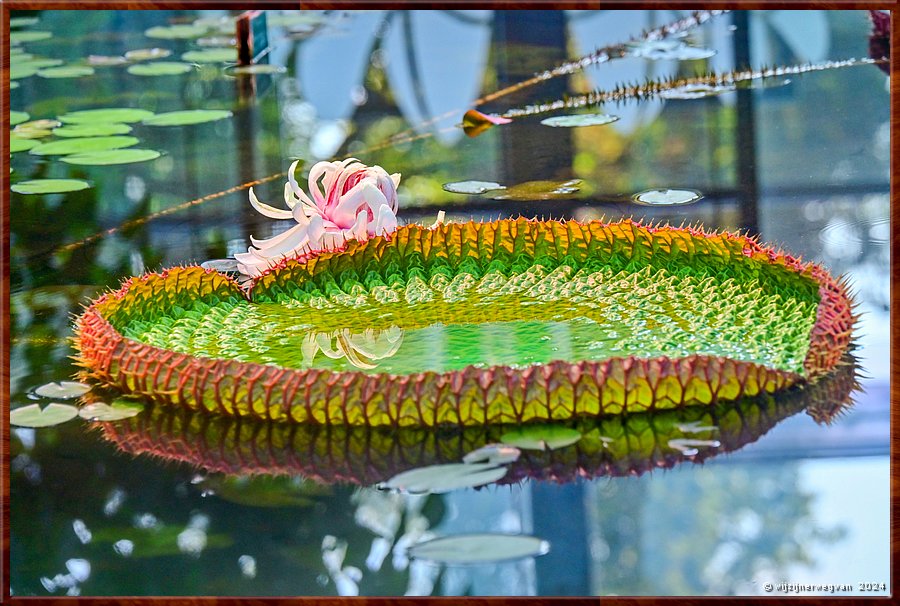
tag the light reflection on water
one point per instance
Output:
(821, 182)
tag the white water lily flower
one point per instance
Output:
(352, 202)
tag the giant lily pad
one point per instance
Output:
(83, 144)
(540, 321)
(186, 117)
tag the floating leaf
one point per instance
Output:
(106, 60)
(49, 186)
(33, 416)
(65, 390)
(495, 454)
(257, 68)
(541, 437)
(474, 122)
(106, 115)
(539, 190)
(112, 156)
(190, 116)
(22, 21)
(68, 71)
(176, 32)
(576, 120)
(666, 197)
(211, 55)
(160, 68)
(16, 117)
(35, 129)
(118, 410)
(438, 479)
(21, 71)
(83, 144)
(479, 548)
(89, 129)
(143, 54)
(29, 36)
(17, 144)
(472, 187)
(40, 62)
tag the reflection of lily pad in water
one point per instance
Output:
(117, 411)
(653, 310)
(176, 32)
(438, 479)
(64, 389)
(675, 49)
(67, 71)
(479, 548)
(144, 54)
(541, 437)
(576, 120)
(266, 491)
(35, 416)
(83, 144)
(211, 55)
(17, 117)
(90, 129)
(186, 117)
(49, 186)
(106, 60)
(112, 156)
(106, 115)
(160, 68)
(28, 36)
(667, 197)
(539, 190)
(472, 187)
(17, 144)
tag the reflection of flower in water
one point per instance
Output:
(361, 349)
(353, 202)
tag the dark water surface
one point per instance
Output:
(175, 504)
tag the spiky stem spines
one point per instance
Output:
(470, 396)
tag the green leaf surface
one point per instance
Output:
(49, 186)
(160, 68)
(34, 416)
(106, 115)
(438, 479)
(112, 156)
(541, 437)
(90, 129)
(185, 117)
(83, 144)
(176, 32)
(63, 389)
(28, 36)
(67, 71)
(118, 410)
(211, 55)
(144, 54)
(17, 144)
(17, 117)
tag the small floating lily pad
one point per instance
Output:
(22, 21)
(185, 117)
(176, 32)
(576, 120)
(90, 129)
(17, 144)
(479, 548)
(40, 62)
(257, 68)
(63, 389)
(496, 454)
(143, 54)
(471, 187)
(541, 437)
(21, 71)
(118, 410)
(66, 71)
(82, 145)
(34, 416)
(160, 68)
(211, 55)
(438, 479)
(539, 190)
(666, 197)
(49, 186)
(28, 36)
(16, 117)
(112, 156)
(106, 115)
